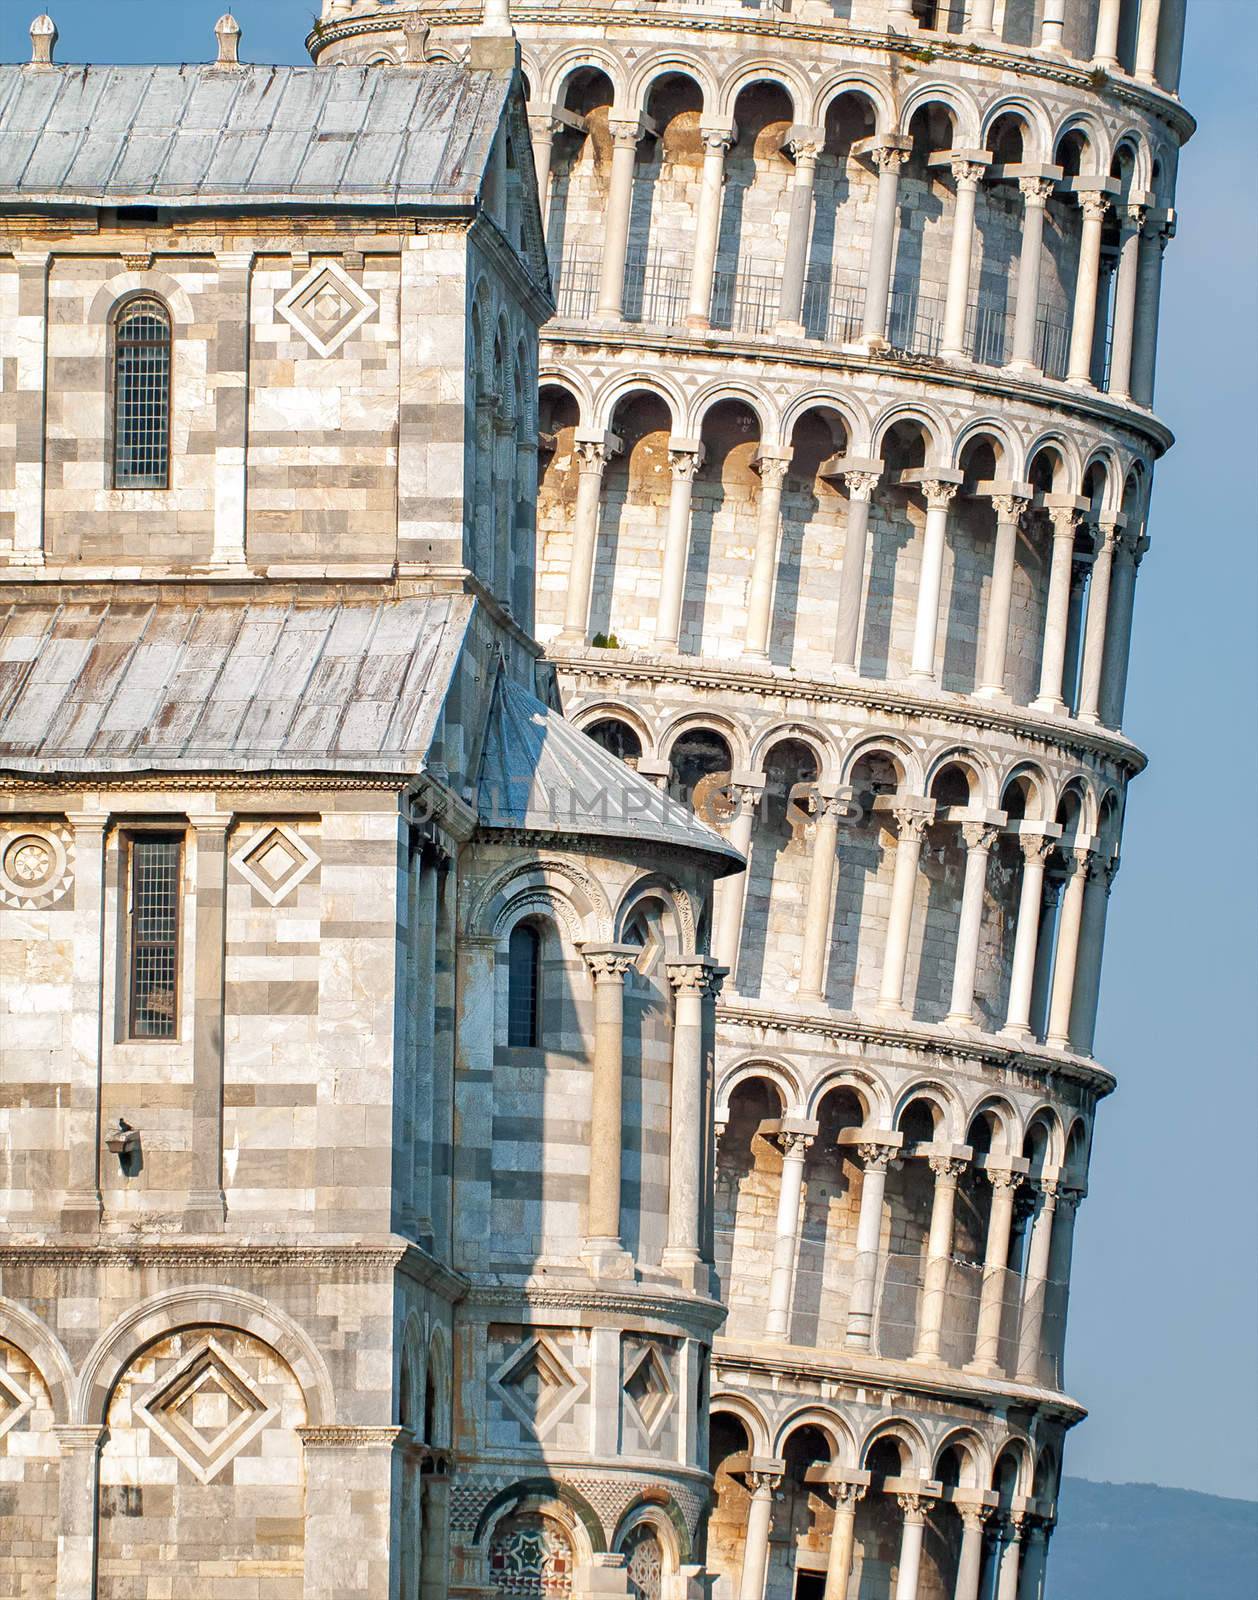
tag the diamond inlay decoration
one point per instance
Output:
(15, 1403)
(649, 1390)
(326, 306)
(274, 861)
(206, 1411)
(539, 1384)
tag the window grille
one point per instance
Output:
(142, 396)
(524, 964)
(156, 860)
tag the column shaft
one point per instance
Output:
(684, 463)
(930, 1316)
(912, 824)
(608, 965)
(30, 403)
(1035, 848)
(980, 20)
(1122, 601)
(731, 891)
(1051, 26)
(791, 301)
(542, 131)
(1125, 303)
(1147, 44)
(1035, 193)
(860, 1315)
(1060, 1258)
(1148, 307)
(616, 218)
(79, 1470)
(1034, 1286)
(888, 159)
(979, 838)
(688, 1117)
(842, 1540)
(1010, 1557)
(1057, 615)
(206, 1206)
(231, 407)
(1009, 509)
(860, 489)
(1079, 865)
(819, 911)
(786, 1235)
(960, 260)
(1105, 45)
(939, 497)
(1097, 626)
(908, 1569)
(1091, 950)
(1083, 322)
(995, 1266)
(772, 463)
(970, 1564)
(592, 458)
(756, 1543)
(716, 141)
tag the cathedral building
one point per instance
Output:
(552, 891)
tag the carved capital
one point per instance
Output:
(1065, 522)
(1131, 219)
(911, 821)
(1036, 191)
(608, 963)
(976, 1516)
(685, 463)
(947, 1169)
(861, 485)
(1003, 1181)
(793, 1144)
(847, 1495)
(875, 1157)
(625, 135)
(888, 158)
(939, 496)
(1094, 205)
(694, 977)
(967, 173)
(593, 455)
(914, 1507)
(772, 470)
(979, 835)
(717, 139)
(1036, 846)
(805, 151)
(762, 1482)
(1009, 507)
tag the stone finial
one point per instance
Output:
(227, 32)
(415, 31)
(496, 19)
(43, 40)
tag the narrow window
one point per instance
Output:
(142, 396)
(156, 860)
(524, 972)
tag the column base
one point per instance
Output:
(870, 344)
(205, 1213)
(963, 1020)
(688, 1269)
(790, 330)
(922, 680)
(1080, 382)
(1047, 707)
(892, 1011)
(693, 320)
(1017, 1035)
(856, 1341)
(607, 1258)
(571, 636)
(991, 691)
(1058, 1041)
(81, 1213)
(1089, 717)
(957, 357)
(1024, 369)
(984, 1369)
(925, 1358)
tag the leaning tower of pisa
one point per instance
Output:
(847, 438)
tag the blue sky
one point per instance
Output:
(1164, 1310)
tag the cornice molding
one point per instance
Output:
(679, 1307)
(693, 671)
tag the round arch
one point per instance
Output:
(745, 1411)
(663, 63)
(45, 1352)
(763, 69)
(722, 389)
(956, 100)
(872, 1092)
(838, 1434)
(768, 1069)
(582, 57)
(850, 80)
(904, 1432)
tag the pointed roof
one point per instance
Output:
(540, 774)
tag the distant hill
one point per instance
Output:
(1137, 1541)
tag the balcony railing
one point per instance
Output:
(746, 302)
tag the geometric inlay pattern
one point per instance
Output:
(645, 1562)
(539, 1384)
(274, 861)
(14, 1402)
(326, 306)
(649, 1390)
(36, 866)
(530, 1557)
(206, 1411)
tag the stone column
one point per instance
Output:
(979, 838)
(842, 1539)
(805, 145)
(625, 136)
(716, 141)
(1035, 195)
(1105, 44)
(933, 1304)
(1034, 1559)
(970, 1564)
(795, 1147)
(1147, 49)
(1061, 1256)
(1049, 700)
(979, 24)
(1054, 881)
(1122, 599)
(1079, 864)
(1106, 268)
(30, 404)
(603, 1251)
(819, 911)
(730, 892)
(1091, 950)
(523, 577)
(1153, 239)
(504, 505)
(231, 406)
(80, 1121)
(594, 451)
(1051, 26)
(995, 1265)
(888, 157)
(911, 819)
(1094, 205)
(1109, 533)
(349, 1499)
(875, 1159)
(206, 1206)
(1072, 662)
(772, 463)
(79, 1447)
(692, 978)
(1010, 1557)
(860, 492)
(1009, 509)
(967, 171)
(543, 126)
(909, 1566)
(763, 1480)
(434, 1564)
(1035, 1284)
(685, 456)
(939, 496)
(1035, 849)
(1123, 346)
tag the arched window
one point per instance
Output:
(142, 395)
(524, 987)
